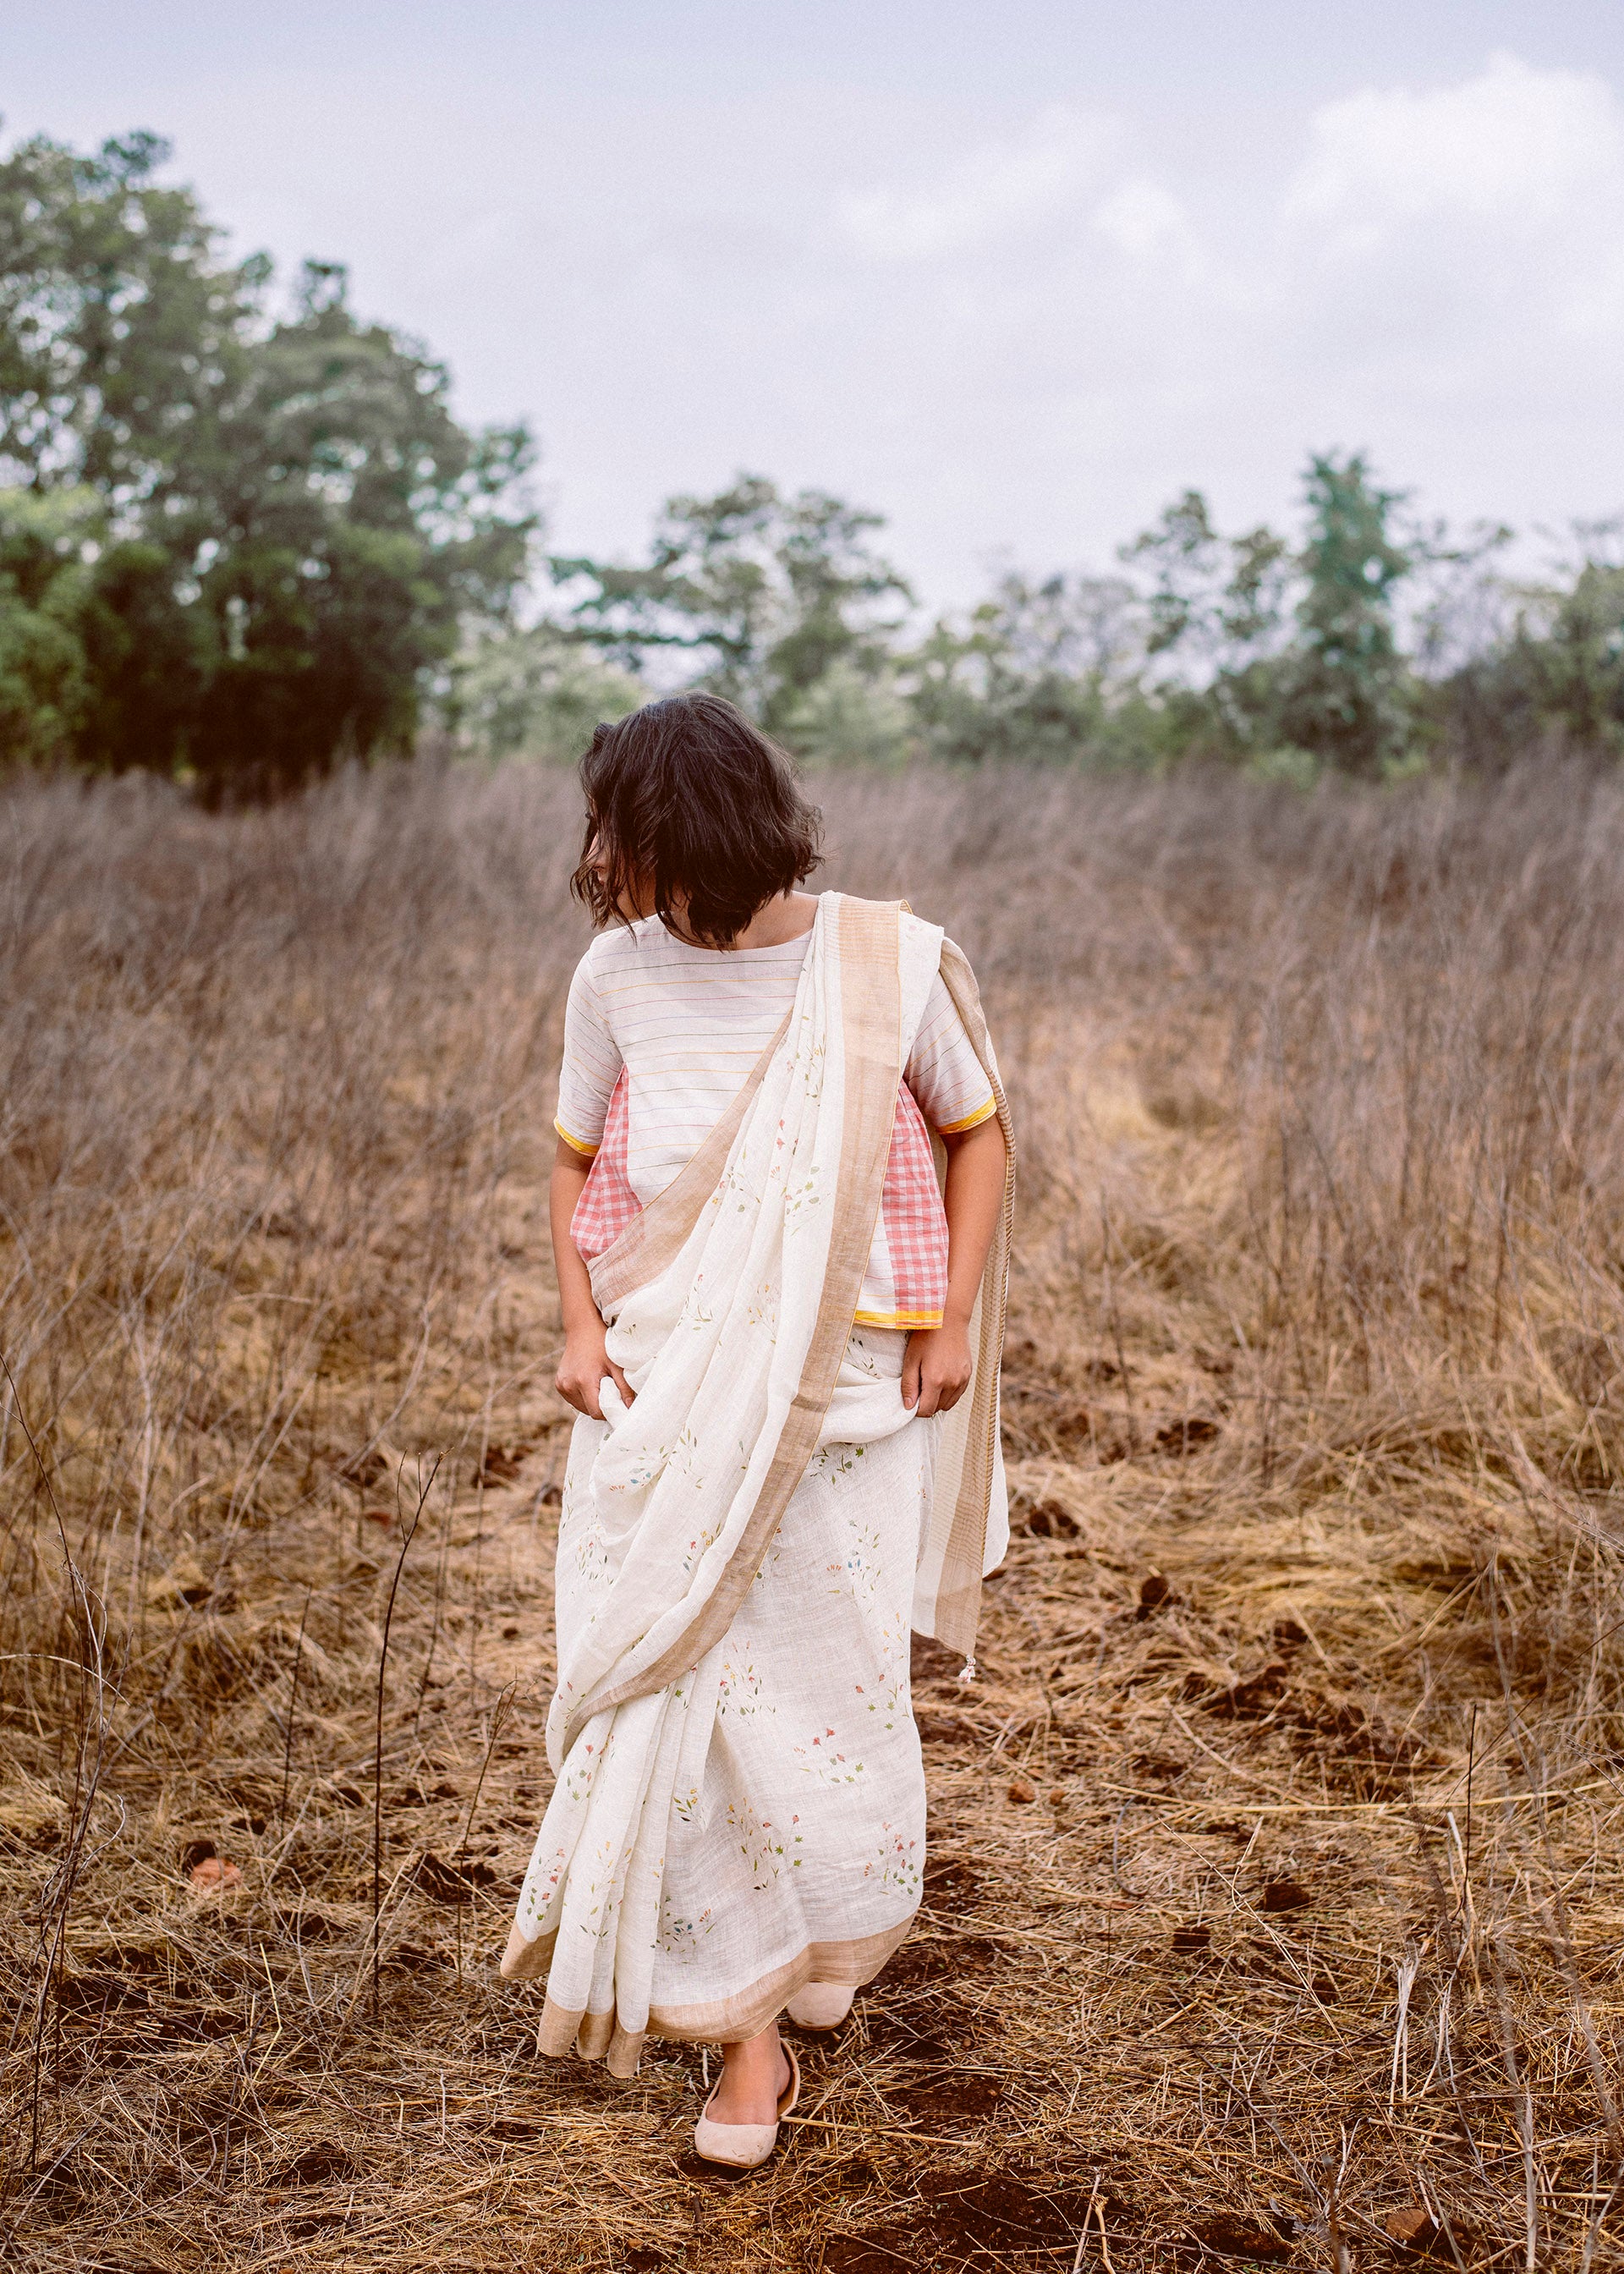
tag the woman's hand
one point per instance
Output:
(582, 1369)
(936, 1367)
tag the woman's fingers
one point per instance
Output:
(936, 1393)
(935, 1373)
(584, 1394)
(580, 1393)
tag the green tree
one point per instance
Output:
(144, 657)
(122, 332)
(1283, 650)
(1556, 673)
(1345, 694)
(1218, 606)
(1570, 650)
(368, 529)
(1221, 598)
(764, 592)
(1045, 669)
(298, 529)
(45, 575)
(536, 694)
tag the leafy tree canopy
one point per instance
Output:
(289, 530)
(1290, 646)
(764, 592)
(1220, 598)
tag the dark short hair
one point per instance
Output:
(686, 796)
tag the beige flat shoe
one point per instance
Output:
(742, 2147)
(820, 2005)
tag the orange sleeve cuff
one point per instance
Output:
(971, 1120)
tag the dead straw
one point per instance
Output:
(1316, 1322)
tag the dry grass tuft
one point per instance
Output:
(1274, 1908)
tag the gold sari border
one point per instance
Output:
(726, 2021)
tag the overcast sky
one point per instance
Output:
(1014, 272)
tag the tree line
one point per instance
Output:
(244, 538)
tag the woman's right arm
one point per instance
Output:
(586, 1361)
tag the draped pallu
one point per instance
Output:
(729, 1302)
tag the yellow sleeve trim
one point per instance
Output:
(971, 1120)
(915, 1320)
(590, 1151)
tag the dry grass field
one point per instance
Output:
(1275, 1905)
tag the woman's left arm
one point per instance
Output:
(936, 1367)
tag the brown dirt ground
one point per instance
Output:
(1273, 1905)
(1178, 1857)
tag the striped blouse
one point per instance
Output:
(659, 1037)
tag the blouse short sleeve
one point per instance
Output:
(592, 1064)
(946, 1077)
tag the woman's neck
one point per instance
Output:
(790, 917)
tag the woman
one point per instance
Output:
(782, 1338)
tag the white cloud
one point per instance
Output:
(1001, 187)
(1030, 326)
(1466, 229)
(1141, 219)
(1434, 273)
(1514, 145)
(1151, 228)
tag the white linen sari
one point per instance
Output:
(742, 1547)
